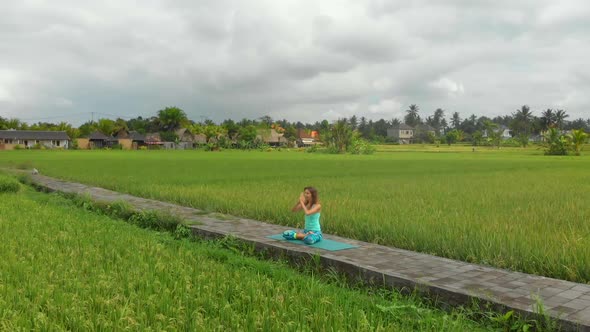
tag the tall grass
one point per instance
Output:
(513, 209)
(66, 268)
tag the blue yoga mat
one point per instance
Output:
(323, 244)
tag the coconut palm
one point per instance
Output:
(577, 138)
(547, 119)
(412, 118)
(522, 121)
(172, 118)
(456, 120)
(340, 135)
(494, 135)
(555, 143)
(560, 117)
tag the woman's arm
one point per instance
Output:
(297, 207)
(314, 209)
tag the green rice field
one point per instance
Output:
(510, 208)
(65, 268)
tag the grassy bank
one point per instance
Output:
(65, 268)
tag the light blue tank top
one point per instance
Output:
(312, 222)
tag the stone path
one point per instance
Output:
(451, 281)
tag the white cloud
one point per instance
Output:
(63, 102)
(351, 108)
(450, 87)
(382, 84)
(563, 11)
(387, 107)
(293, 59)
(5, 95)
(332, 115)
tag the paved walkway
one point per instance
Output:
(451, 281)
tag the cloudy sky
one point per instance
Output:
(299, 60)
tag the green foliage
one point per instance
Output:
(247, 134)
(577, 139)
(511, 142)
(523, 139)
(172, 118)
(412, 118)
(155, 220)
(106, 126)
(314, 148)
(555, 143)
(151, 219)
(339, 136)
(182, 232)
(494, 133)
(454, 136)
(8, 184)
(477, 138)
(360, 146)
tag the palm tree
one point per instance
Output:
(524, 114)
(120, 125)
(547, 119)
(522, 120)
(172, 118)
(412, 118)
(578, 138)
(494, 136)
(555, 143)
(341, 135)
(456, 120)
(560, 117)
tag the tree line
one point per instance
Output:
(523, 123)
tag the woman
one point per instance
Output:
(309, 203)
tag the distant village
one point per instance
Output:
(171, 129)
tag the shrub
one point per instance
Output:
(360, 146)
(312, 149)
(556, 144)
(511, 142)
(8, 184)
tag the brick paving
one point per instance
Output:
(450, 281)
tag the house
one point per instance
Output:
(402, 132)
(307, 138)
(130, 140)
(423, 133)
(186, 140)
(153, 141)
(9, 139)
(506, 133)
(97, 140)
(271, 137)
(200, 139)
(424, 129)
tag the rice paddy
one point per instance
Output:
(65, 268)
(508, 208)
